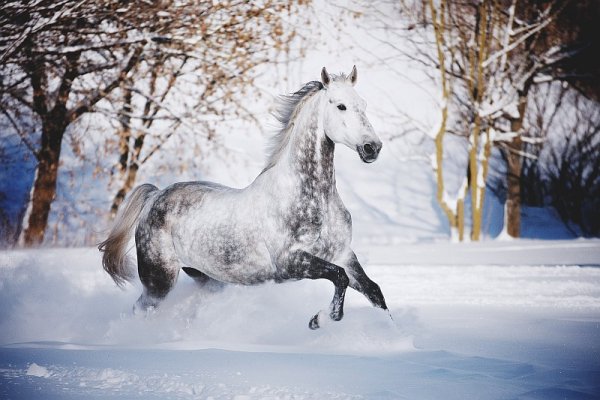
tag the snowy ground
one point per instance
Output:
(497, 320)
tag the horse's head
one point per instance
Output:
(345, 120)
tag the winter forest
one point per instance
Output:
(500, 99)
(480, 219)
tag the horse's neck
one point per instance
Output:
(305, 166)
(310, 151)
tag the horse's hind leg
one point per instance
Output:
(158, 267)
(302, 265)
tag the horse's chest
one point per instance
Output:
(320, 229)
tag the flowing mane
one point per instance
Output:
(285, 113)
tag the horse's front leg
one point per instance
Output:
(360, 282)
(303, 265)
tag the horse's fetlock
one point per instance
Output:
(314, 322)
(337, 315)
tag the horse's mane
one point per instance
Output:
(285, 112)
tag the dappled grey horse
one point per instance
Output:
(289, 224)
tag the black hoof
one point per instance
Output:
(337, 316)
(376, 297)
(314, 322)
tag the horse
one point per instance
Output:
(288, 224)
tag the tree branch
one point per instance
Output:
(86, 104)
(20, 133)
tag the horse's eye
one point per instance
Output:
(341, 107)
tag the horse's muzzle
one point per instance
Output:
(369, 151)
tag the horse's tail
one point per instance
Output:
(114, 259)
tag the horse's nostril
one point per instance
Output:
(368, 149)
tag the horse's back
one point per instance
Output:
(178, 199)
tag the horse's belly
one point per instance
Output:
(226, 254)
(245, 272)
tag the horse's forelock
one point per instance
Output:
(341, 77)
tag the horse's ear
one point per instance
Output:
(353, 75)
(325, 77)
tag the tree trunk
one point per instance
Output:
(513, 171)
(130, 176)
(125, 132)
(124, 153)
(513, 185)
(44, 186)
(455, 216)
(473, 171)
(460, 219)
(54, 123)
(129, 160)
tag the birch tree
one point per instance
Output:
(489, 54)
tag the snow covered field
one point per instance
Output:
(497, 320)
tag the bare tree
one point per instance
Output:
(62, 59)
(565, 174)
(571, 178)
(232, 41)
(489, 55)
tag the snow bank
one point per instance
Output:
(65, 296)
(467, 331)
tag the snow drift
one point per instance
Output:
(468, 330)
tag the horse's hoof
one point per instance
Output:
(314, 322)
(337, 316)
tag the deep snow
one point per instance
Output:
(461, 330)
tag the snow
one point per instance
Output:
(36, 370)
(493, 320)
